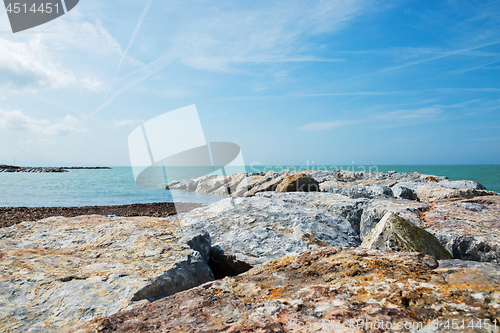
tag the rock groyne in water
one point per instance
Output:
(14, 168)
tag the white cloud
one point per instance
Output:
(225, 36)
(126, 122)
(27, 66)
(388, 118)
(426, 112)
(92, 84)
(271, 33)
(90, 38)
(16, 120)
(45, 61)
(164, 92)
(322, 126)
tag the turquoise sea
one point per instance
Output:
(117, 186)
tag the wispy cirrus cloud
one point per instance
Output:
(126, 122)
(427, 112)
(26, 66)
(272, 32)
(392, 118)
(228, 35)
(323, 126)
(16, 120)
(35, 62)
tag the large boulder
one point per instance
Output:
(376, 209)
(358, 191)
(258, 229)
(350, 209)
(298, 183)
(255, 181)
(60, 271)
(328, 290)
(210, 185)
(396, 233)
(234, 181)
(265, 187)
(462, 184)
(401, 191)
(468, 228)
(428, 193)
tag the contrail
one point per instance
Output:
(132, 39)
(137, 76)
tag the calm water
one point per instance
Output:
(117, 186)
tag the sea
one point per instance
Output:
(117, 186)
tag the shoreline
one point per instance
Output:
(16, 168)
(10, 216)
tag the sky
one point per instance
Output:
(291, 82)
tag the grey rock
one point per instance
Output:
(198, 239)
(471, 206)
(468, 228)
(376, 209)
(461, 184)
(397, 234)
(185, 274)
(59, 271)
(474, 248)
(428, 193)
(469, 234)
(210, 185)
(258, 229)
(265, 187)
(402, 192)
(299, 182)
(350, 209)
(243, 185)
(369, 191)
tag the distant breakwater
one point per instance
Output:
(14, 168)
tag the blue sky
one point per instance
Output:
(334, 82)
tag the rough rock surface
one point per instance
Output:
(327, 290)
(234, 181)
(15, 168)
(59, 271)
(298, 183)
(376, 209)
(210, 185)
(468, 228)
(350, 209)
(265, 187)
(360, 184)
(259, 229)
(396, 233)
(363, 191)
(428, 193)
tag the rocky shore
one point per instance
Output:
(14, 168)
(87, 168)
(284, 252)
(13, 215)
